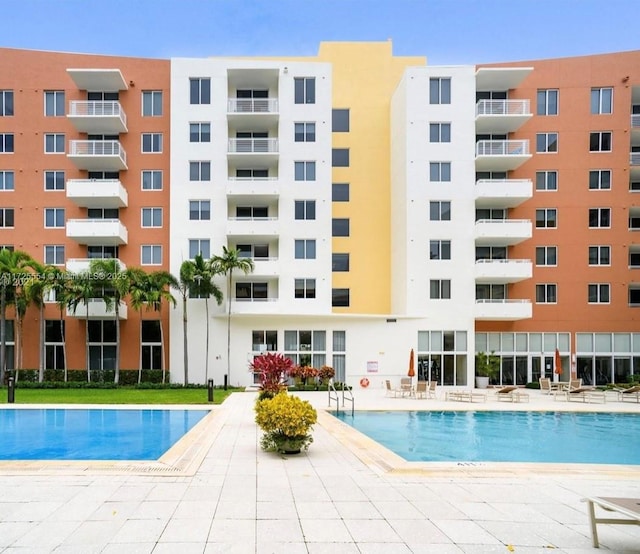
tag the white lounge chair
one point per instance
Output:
(629, 507)
(512, 394)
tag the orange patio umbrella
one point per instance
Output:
(558, 363)
(412, 362)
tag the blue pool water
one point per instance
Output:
(92, 434)
(553, 437)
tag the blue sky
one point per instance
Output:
(446, 31)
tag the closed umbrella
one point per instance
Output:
(558, 363)
(412, 362)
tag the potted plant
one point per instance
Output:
(487, 369)
(325, 373)
(274, 370)
(286, 421)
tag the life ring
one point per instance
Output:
(364, 382)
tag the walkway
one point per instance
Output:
(331, 500)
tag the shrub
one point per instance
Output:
(274, 369)
(285, 421)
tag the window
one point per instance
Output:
(600, 141)
(7, 180)
(54, 180)
(305, 288)
(340, 157)
(340, 192)
(199, 171)
(151, 103)
(251, 291)
(253, 250)
(200, 91)
(439, 132)
(305, 209)
(199, 132)
(440, 90)
(601, 100)
(54, 143)
(304, 132)
(440, 289)
(6, 103)
(600, 179)
(634, 259)
(6, 143)
(305, 171)
(251, 174)
(151, 179)
(152, 217)
(546, 255)
(546, 293)
(634, 295)
(340, 298)
(151, 254)
(199, 246)
(103, 213)
(102, 344)
(340, 227)
(546, 180)
(599, 217)
(547, 102)
(546, 218)
(491, 253)
(262, 341)
(599, 255)
(439, 210)
(440, 249)
(252, 212)
(151, 345)
(340, 120)
(599, 293)
(439, 172)
(54, 254)
(151, 142)
(546, 142)
(339, 262)
(305, 249)
(54, 217)
(491, 292)
(304, 90)
(199, 210)
(491, 213)
(54, 103)
(54, 344)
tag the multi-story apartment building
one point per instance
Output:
(387, 204)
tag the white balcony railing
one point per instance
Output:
(252, 105)
(502, 107)
(249, 218)
(502, 148)
(80, 265)
(97, 108)
(634, 158)
(253, 178)
(106, 155)
(253, 145)
(635, 121)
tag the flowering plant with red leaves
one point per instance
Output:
(326, 372)
(273, 369)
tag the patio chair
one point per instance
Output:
(511, 394)
(546, 386)
(632, 393)
(586, 394)
(406, 387)
(574, 384)
(390, 390)
(422, 389)
(629, 507)
(431, 391)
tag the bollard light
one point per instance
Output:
(11, 394)
(210, 390)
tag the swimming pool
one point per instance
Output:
(546, 437)
(92, 434)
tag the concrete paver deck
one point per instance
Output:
(345, 495)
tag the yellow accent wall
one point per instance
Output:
(365, 76)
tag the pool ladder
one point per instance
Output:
(347, 396)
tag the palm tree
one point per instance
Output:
(225, 265)
(183, 286)
(81, 290)
(139, 293)
(13, 265)
(60, 287)
(204, 287)
(161, 283)
(116, 284)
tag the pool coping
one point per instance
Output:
(182, 459)
(383, 461)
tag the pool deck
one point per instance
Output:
(217, 491)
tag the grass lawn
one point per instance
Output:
(115, 396)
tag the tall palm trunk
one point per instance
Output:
(3, 332)
(140, 352)
(41, 325)
(86, 330)
(116, 377)
(185, 343)
(206, 360)
(229, 296)
(64, 345)
(162, 360)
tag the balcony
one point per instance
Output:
(252, 111)
(251, 187)
(96, 232)
(105, 80)
(97, 310)
(97, 193)
(267, 267)
(635, 127)
(264, 149)
(501, 155)
(255, 306)
(98, 155)
(503, 310)
(502, 193)
(501, 116)
(500, 78)
(249, 228)
(502, 271)
(502, 232)
(81, 265)
(634, 163)
(98, 117)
